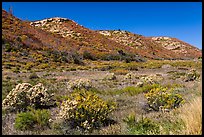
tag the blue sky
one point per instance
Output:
(182, 20)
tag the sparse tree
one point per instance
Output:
(11, 10)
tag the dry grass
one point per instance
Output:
(191, 114)
(110, 130)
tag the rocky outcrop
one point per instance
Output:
(123, 37)
(46, 21)
(54, 25)
(154, 47)
(177, 46)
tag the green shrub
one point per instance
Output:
(7, 86)
(33, 76)
(175, 74)
(132, 90)
(77, 59)
(88, 55)
(130, 120)
(43, 65)
(109, 57)
(29, 65)
(24, 121)
(143, 126)
(86, 110)
(161, 98)
(8, 47)
(33, 119)
(16, 69)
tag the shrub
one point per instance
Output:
(151, 79)
(129, 75)
(24, 95)
(110, 76)
(161, 98)
(43, 65)
(8, 47)
(132, 90)
(175, 74)
(29, 65)
(24, 121)
(77, 59)
(88, 55)
(33, 76)
(16, 69)
(34, 118)
(85, 110)
(120, 71)
(192, 75)
(80, 84)
(143, 126)
(109, 57)
(7, 86)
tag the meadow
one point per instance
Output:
(156, 97)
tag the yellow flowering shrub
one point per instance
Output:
(162, 98)
(85, 110)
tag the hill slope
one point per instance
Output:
(178, 46)
(154, 47)
(64, 37)
(59, 40)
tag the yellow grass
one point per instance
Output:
(191, 114)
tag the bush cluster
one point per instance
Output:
(135, 90)
(88, 55)
(79, 84)
(33, 76)
(151, 79)
(110, 76)
(127, 57)
(129, 75)
(192, 75)
(161, 98)
(85, 110)
(24, 95)
(143, 126)
(32, 119)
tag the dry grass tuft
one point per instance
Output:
(191, 114)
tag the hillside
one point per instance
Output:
(56, 41)
(178, 46)
(89, 40)
(154, 47)
(32, 44)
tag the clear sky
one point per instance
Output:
(182, 20)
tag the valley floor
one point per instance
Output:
(119, 84)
